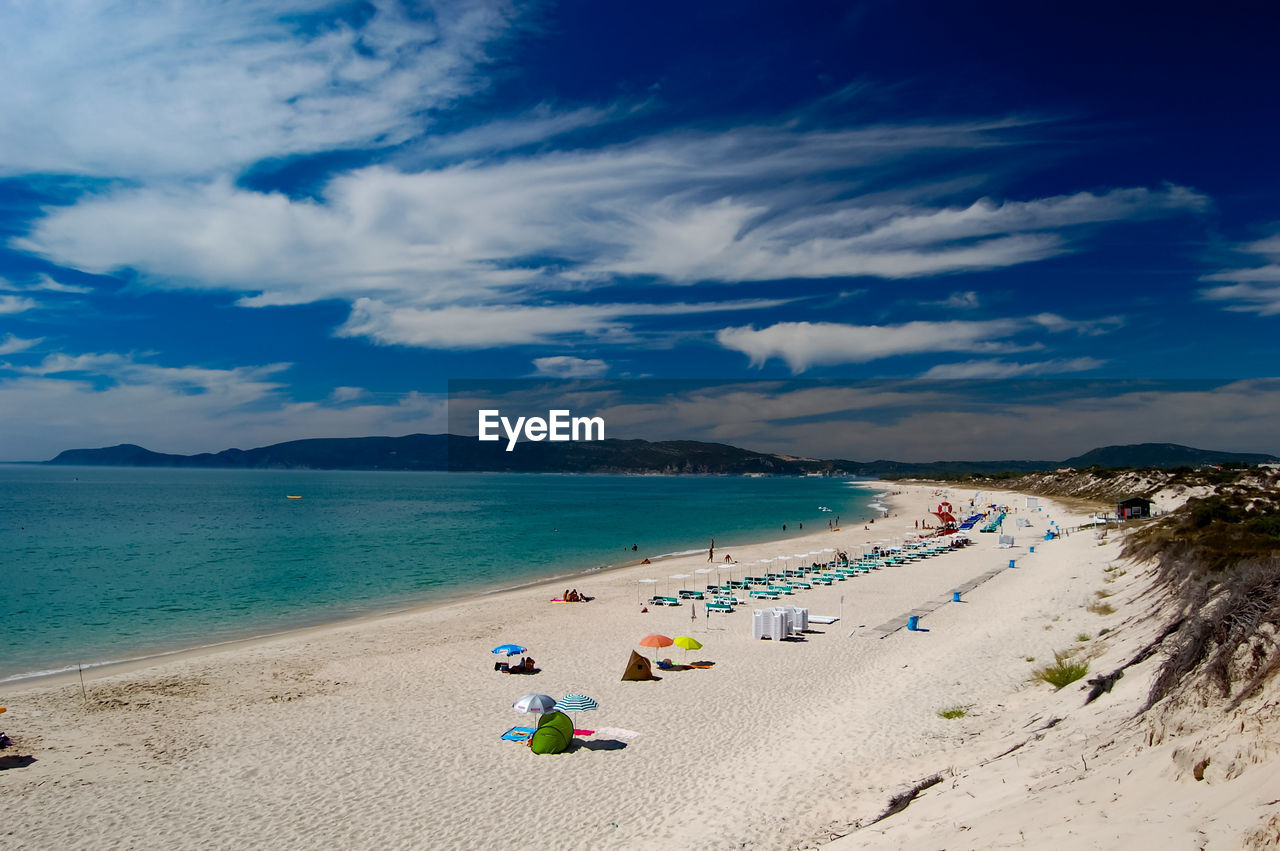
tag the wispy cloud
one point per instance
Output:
(967, 300)
(46, 283)
(564, 366)
(16, 304)
(1255, 289)
(118, 398)
(1006, 369)
(194, 88)
(678, 209)
(805, 344)
(11, 344)
(494, 326)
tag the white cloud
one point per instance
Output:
(347, 394)
(564, 366)
(955, 420)
(967, 300)
(12, 344)
(493, 326)
(192, 87)
(806, 344)
(72, 401)
(680, 209)
(1006, 369)
(1085, 328)
(1255, 289)
(46, 283)
(16, 304)
(474, 327)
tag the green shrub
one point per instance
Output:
(953, 712)
(1063, 671)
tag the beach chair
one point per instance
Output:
(686, 594)
(782, 589)
(821, 580)
(719, 607)
(761, 594)
(665, 601)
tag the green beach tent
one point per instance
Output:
(554, 733)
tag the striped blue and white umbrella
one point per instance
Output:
(576, 703)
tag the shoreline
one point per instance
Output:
(105, 668)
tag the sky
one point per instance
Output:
(229, 224)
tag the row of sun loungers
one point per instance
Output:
(772, 586)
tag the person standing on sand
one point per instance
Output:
(711, 551)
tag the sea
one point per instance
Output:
(109, 564)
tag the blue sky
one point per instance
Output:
(230, 224)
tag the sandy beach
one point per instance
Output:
(386, 733)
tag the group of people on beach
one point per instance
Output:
(574, 597)
(524, 666)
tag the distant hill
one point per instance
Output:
(454, 452)
(1162, 455)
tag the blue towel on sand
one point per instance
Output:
(518, 734)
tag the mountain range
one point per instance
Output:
(456, 452)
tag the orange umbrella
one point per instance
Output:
(656, 641)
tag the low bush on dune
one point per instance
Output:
(953, 712)
(1219, 558)
(1063, 672)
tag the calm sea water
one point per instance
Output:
(105, 564)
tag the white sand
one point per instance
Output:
(385, 733)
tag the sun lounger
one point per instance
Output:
(801, 584)
(719, 607)
(686, 594)
(822, 580)
(665, 601)
(763, 595)
(782, 589)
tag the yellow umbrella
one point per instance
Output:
(687, 643)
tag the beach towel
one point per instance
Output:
(517, 734)
(616, 733)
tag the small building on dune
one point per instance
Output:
(1133, 508)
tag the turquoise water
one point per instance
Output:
(105, 564)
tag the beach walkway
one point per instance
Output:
(891, 626)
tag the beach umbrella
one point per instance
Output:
(508, 650)
(535, 704)
(688, 643)
(675, 576)
(576, 703)
(655, 641)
